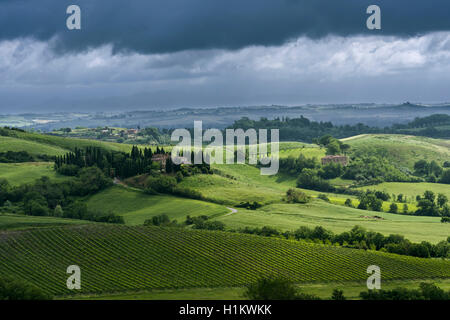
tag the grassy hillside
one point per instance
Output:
(233, 184)
(116, 258)
(20, 173)
(15, 221)
(61, 142)
(338, 219)
(401, 149)
(32, 147)
(410, 190)
(229, 191)
(294, 149)
(136, 206)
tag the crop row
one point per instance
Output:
(117, 258)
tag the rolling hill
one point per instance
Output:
(338, 219)
(136, 206)
(401, 150)
(26, 172)
(29, 141)
(410, 190)
(32, 147)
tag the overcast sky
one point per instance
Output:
(159, 54)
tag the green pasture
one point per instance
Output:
(401, 149)
(27, 172)
(16, 221)
(338, 219)
(136, 206)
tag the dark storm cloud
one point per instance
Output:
(159, 26)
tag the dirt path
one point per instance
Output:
(232, 211)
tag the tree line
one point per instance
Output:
(58, 199)
(303, 129)
(282, 288)
(114, 164)
(359, 238)
(23, 156)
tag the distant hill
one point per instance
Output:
(37, 143)
(306, 130)
(340, 114)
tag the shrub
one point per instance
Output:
(338, 295)
(68, 169)
(348, 203)
(210, 225)
(426, 291)
(405, 208)
(58, 212)
(159, 220)
(323, 197)
(275, 289)
(297, 196)
(393, 208)
(108, 218)
(249, 206)
(11, 289)
(92, 180)
(445, 177)
(368, 201)
(162, 183)
(331, 171)
(309, 179)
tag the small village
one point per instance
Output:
(152, 136)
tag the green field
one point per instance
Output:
(32, 147)
(229, 191)
(401, 149)
(50, 141)
(136, 206)
(233, 184)
(120, 258)
(338, 219)
(322, 290)
(16, 221)
(410, 190)
(288, 149)
(21, 173)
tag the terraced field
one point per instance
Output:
(118, 258)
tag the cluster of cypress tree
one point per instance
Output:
(118, 164)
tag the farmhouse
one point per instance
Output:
(343, 160)
(132, 131)
(161, 158)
